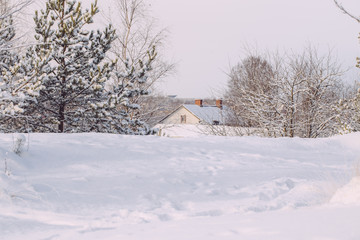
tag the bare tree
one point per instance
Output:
(7, 11)
(320, 88)
(288, 95)
(340, 6)
(8, 8)
(249, 79)
(252, 88)
(138, 34)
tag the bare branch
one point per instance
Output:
(7, 10)
(346, 12)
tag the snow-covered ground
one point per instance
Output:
(197, 130)
(102, 186)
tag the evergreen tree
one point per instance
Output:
(75, 93)
(74, 78)
(15, 86)
(19, 81)
(7, 33)
(7, 60)
(124, 113)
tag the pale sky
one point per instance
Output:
(206, 37)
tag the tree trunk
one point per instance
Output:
(61, 117)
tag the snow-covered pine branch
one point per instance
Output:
(18, 78)
(124, 112)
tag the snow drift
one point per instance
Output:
(87, 186)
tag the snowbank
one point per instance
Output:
(191, 130)
(349, 194)
(91, 186)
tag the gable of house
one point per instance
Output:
(181, 116)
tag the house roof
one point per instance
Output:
(208, 114)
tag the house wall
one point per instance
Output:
(175, 118)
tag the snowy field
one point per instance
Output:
(101, 186)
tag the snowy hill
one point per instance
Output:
(101, 186)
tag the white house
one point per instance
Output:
(197, 114)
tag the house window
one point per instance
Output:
(183, 118)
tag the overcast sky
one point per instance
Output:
(208, 36)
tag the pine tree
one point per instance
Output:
(74, 79)
(124, 113)
(75, 93)
(7, 34)
(12, 93)
(19, 82)
(7, 60)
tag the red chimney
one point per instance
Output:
(199, 102)
(219, 103)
